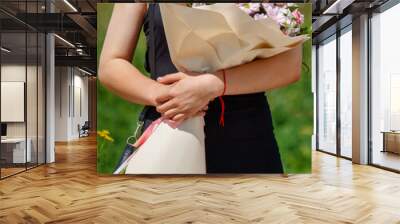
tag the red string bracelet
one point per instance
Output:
(221, 100)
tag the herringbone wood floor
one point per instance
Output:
(70, 191)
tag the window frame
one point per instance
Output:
(333, 37)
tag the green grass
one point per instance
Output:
(292, 109)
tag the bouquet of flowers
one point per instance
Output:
(208, 38)
(286, 15)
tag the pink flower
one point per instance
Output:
(286, 15)
(276, 13)
(266, 5)
(298, 16)
(250, 8)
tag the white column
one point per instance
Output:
(62, 103)
(360, 90)
(50, 94)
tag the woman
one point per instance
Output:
(246, 143)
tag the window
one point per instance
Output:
(327, 95)
(346, 92)
(385, 89)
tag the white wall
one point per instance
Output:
(34, 125)
(15, 72)
(80, 100)
(71, 94)
(61, 103)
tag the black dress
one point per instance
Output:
(246, 143)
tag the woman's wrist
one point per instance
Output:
(216, 84)
(155, 91)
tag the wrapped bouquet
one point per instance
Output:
(209, 38)
(213, 37)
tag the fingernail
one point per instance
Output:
(159, 78)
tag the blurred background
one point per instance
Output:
(292, 108)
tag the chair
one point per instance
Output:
(84, 130)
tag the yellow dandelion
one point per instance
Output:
(105, 134)
(108, 138)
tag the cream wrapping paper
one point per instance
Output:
(218, 36)
(204, 39)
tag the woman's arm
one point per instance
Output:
(115, 69)
(257, 76)
(265, 74)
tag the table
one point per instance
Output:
(15, 148)
(391, 141)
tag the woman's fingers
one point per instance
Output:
(166, 106)
(171, 113)
(171, 78)
(182, 117)
(167, 80)
(179, 118)
(163, 98)
(174, 112)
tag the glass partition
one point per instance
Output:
(327, 95)
(14, 153)
(346, 92)
(22, 90)
(385, 89)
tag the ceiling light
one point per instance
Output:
(84, 71)
(65, 41)
(70, 5)
(80, 51)
(337, 7)
(5, 50)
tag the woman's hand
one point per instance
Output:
(188, 96)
